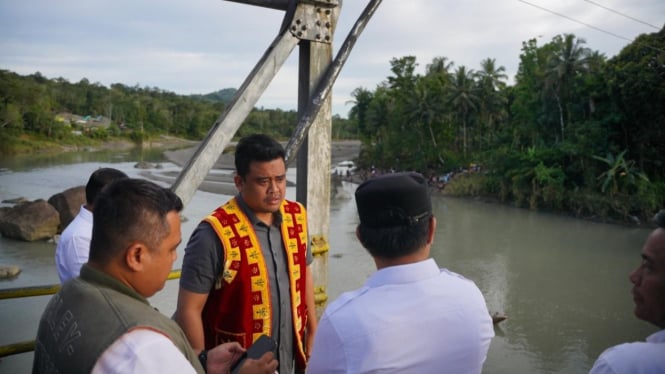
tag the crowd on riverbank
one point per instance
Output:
(437, 182)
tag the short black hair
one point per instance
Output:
(98, 179)
(256, 147)
(130, 210)
(396, 241)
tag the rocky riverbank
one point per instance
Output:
(223, 183)
(340, 150)
(40, 219)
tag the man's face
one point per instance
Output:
(263, 188)
(159, 261)
(649, 281)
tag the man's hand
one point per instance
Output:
(264, 365)
(222, 357)
(309, 343)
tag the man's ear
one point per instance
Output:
(358, 235)
(237, 179)
(135, 256)
(432, 230)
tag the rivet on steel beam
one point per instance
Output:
(318, 36)
(327, 11)
(298, 22)
(328, 25)
(299, 34)
(327, 38)
(303, 27)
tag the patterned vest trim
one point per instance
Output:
(239, 309)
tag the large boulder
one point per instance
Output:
(18, 200)
(4, 210)
(37, 220)
(9, 271)
(68, 203)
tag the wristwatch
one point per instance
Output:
(203, 359)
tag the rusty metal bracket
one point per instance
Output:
(327, 80)
(316, 21)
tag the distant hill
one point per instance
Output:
(224, 95)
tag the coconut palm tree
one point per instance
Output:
(492, 101)
(568, 60)
(492, 76)
(424, 111)
(440, 66)
(463, 96)
(362, 99)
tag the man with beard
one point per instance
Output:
(245, 271)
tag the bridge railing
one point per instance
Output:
(51, 289)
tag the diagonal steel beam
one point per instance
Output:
(230, 120)
(325, 85)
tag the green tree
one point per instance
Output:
(636, 79)
(10, 118)
(424, 114)
(622, 175)
(568, 60)
(491, 80)
(463, 96)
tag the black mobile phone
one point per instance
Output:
(262, 345)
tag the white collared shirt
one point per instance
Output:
(412, 318)
(142, 351)
(638, 357)
(73, 246)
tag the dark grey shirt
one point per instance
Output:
(202, 267)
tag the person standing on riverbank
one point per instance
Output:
(410, 316)
(74, 243)
(245, 271)
(649, 296)
(101, 321)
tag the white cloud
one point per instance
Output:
(200, 46)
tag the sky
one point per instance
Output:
(201, 46)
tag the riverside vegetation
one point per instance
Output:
(576, 133)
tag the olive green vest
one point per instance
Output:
(87, 315)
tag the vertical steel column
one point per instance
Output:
(313, 159)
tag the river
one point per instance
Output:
(562, 282)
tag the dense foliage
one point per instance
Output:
(576, 132)
(33, 106)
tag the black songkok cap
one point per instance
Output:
(398, 199)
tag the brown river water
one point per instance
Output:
(562, 282)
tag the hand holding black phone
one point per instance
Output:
(262, 345)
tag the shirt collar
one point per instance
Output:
(404, 273)
(657, 337)
(92, 275)
(85, 213)
(277, 221)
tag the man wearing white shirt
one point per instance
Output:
(410, 316)
(74, 243)
(101, 321)
(649, 296)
